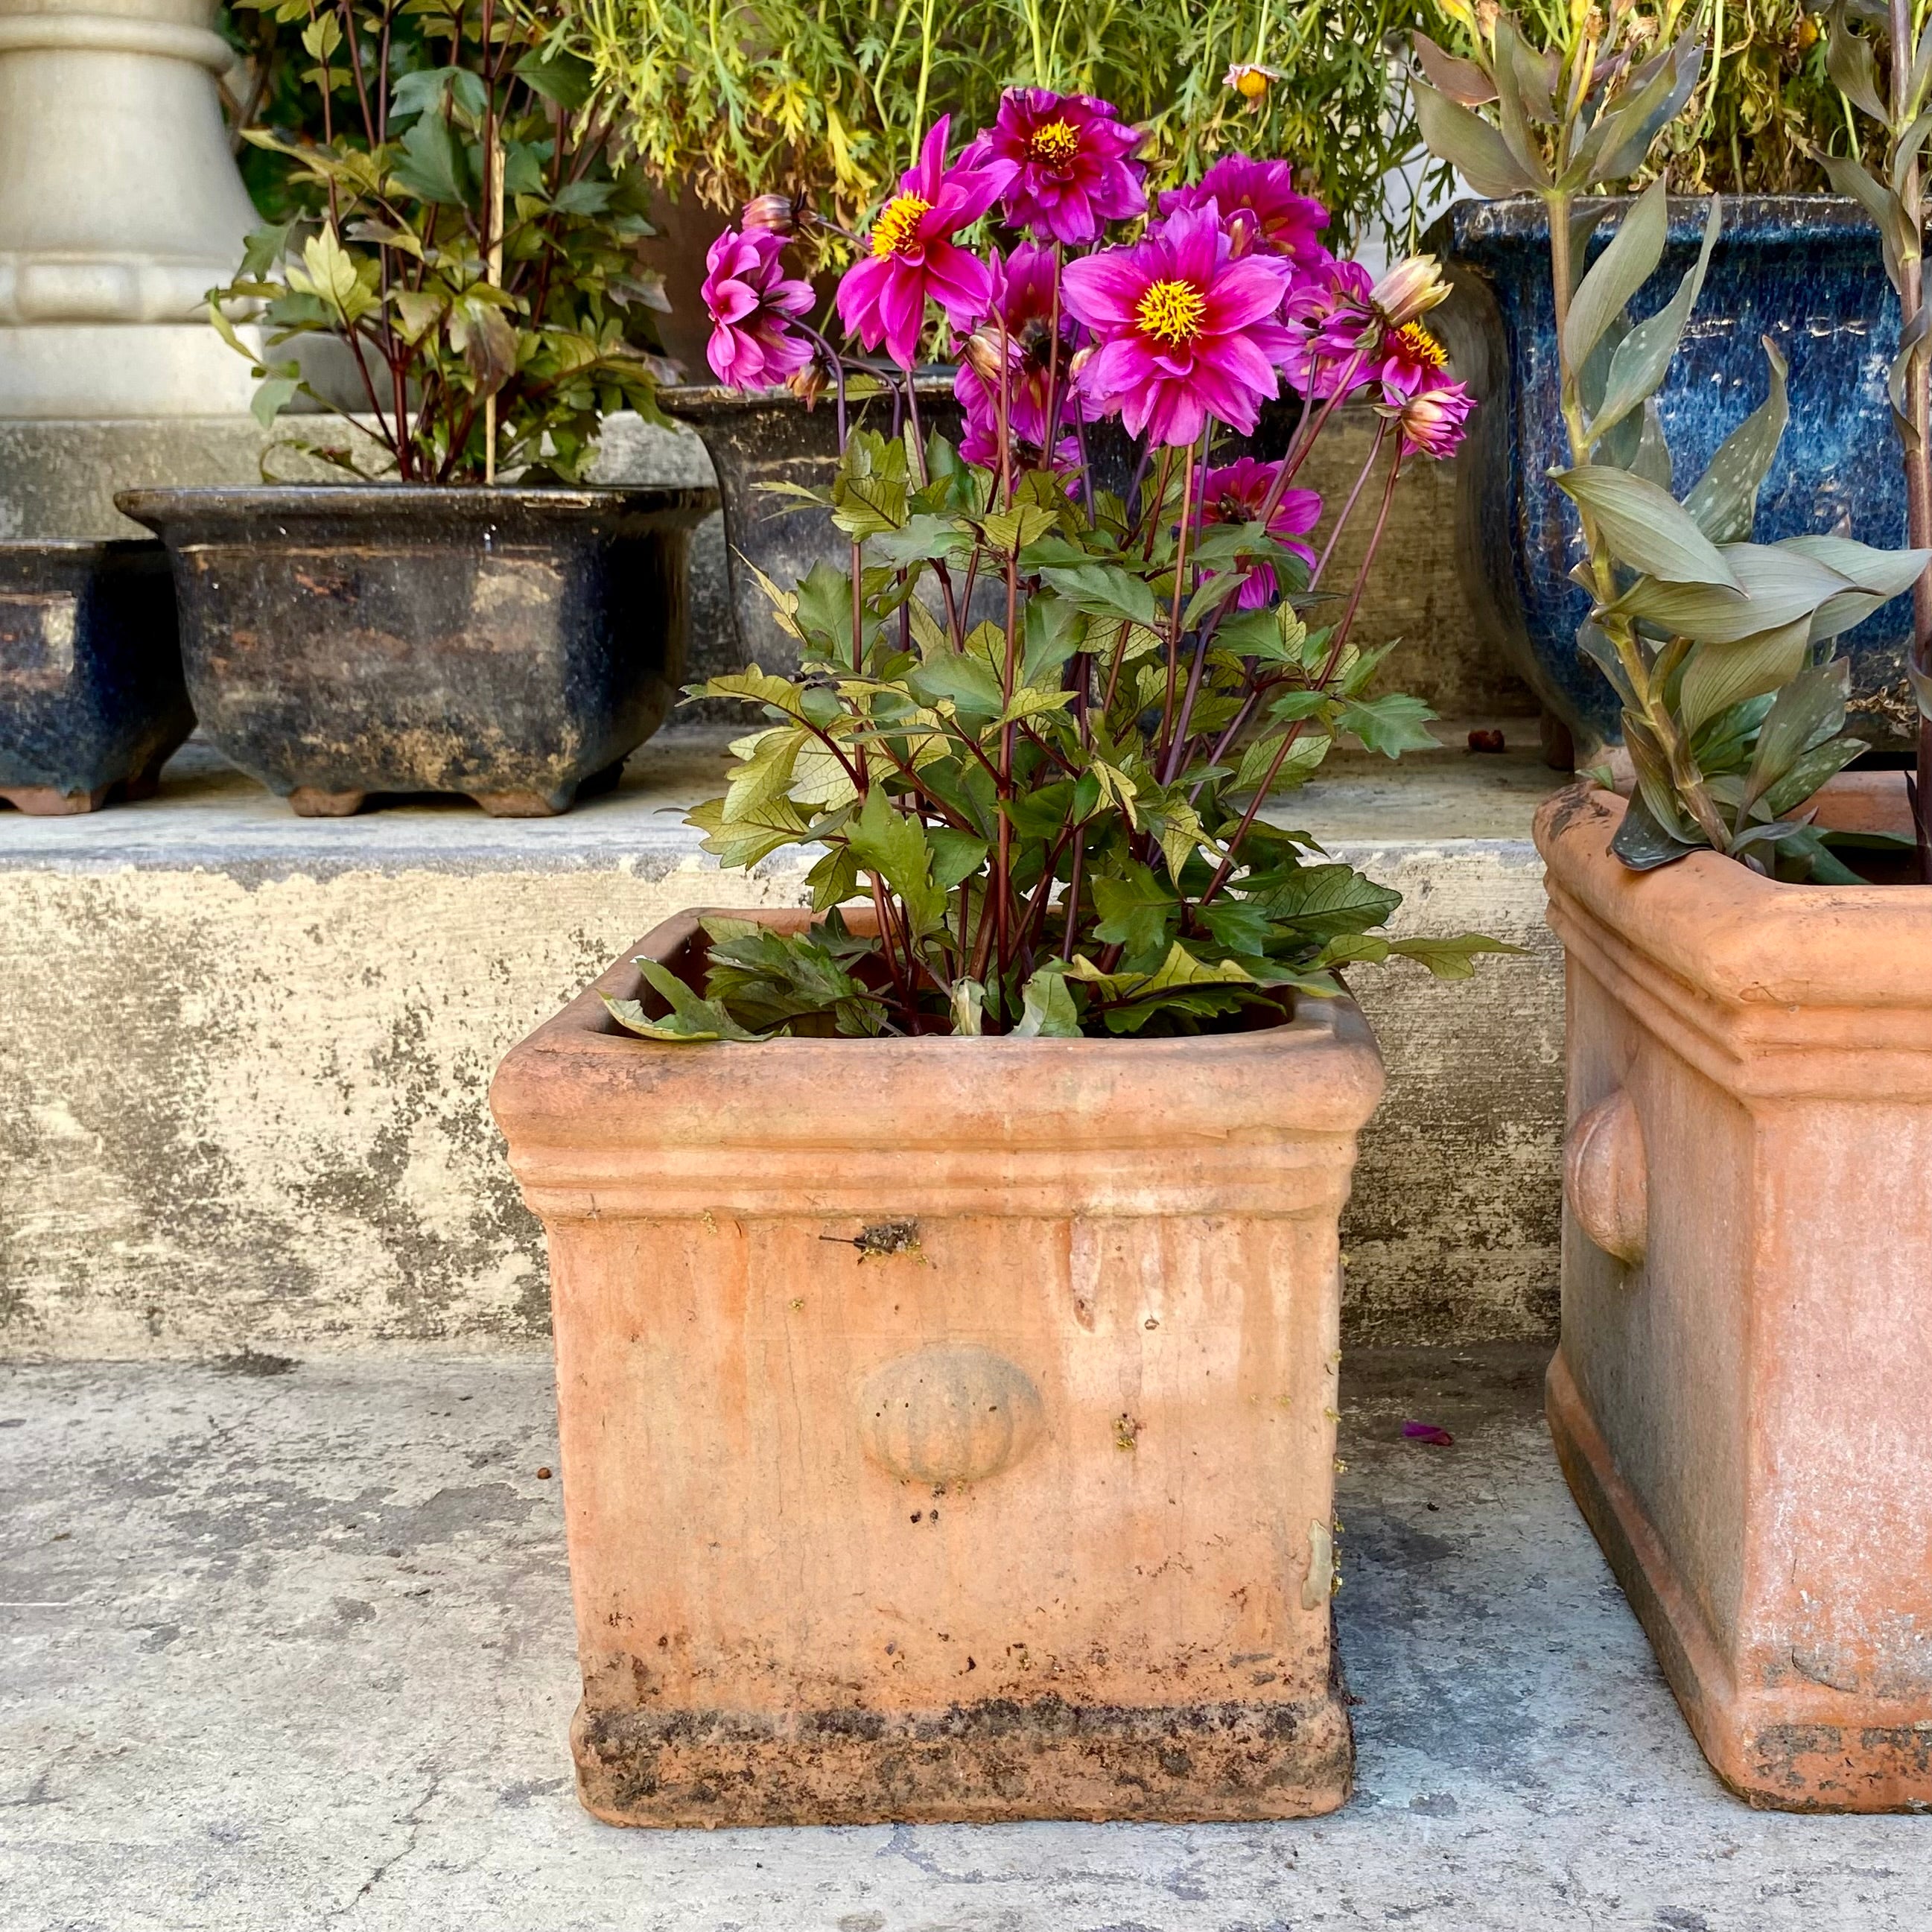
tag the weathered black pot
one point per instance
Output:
(1805, 270)
(513, 645)
(91, 698)
(769, 436)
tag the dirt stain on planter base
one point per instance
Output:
(1001, 1759)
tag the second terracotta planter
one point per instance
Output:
(1742, 1399)
(948, 1425)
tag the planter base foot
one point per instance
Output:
(44, 802)
(997, 1761)
(1788, 1747)
(527, 804)
(307, 801)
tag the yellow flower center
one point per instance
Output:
(896, 232)
(1053, 144)
(1171, 312)
(1417, 345)
(1250, 83)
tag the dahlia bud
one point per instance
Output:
(807, 384)
(779, 213)
(1411, 288)
(982, 353)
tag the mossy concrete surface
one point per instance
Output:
(289, 1644)
(244, 1056)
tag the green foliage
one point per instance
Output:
(457, 219)
(829, 97)
(1711, 642)
(1762, 107)
(1050, 822)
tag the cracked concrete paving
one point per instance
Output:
(291, 1647)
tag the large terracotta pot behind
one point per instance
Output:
(948, 1425)
(1741, 1397)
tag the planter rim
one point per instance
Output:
(75, 547)
(1773, 989)
(474, 503)
(699, 400)
(1515, 219)
(1122, 1126)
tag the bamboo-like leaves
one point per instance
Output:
(1853, 71)
(1723, 502)
(1644, 356)
(1719, 675)
(1471, 146)
(1645, 527)
(1614, 279)
(1463, 82)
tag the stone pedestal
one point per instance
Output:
(120, 207)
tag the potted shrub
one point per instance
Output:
(945, 1277)
(1791, 261)
(92, 699)
(811, 111)
(1737, 1399)
(471, 255)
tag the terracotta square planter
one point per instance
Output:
(1742, 1400)
(948, 1425)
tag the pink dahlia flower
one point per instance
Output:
(1260, 209)
(1431, 410)
(912, 256)
(752, 303)
(1408, 351)
(1184, 330)
(1331, 331)
(1023, 302)
(1237, 494)
(1073, 158)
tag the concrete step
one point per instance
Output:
(290, 1645)
(244, 1056)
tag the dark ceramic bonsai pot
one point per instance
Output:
(91, 698)
(513, 645)
(1805, 270)
(764, 437)
(760, 437)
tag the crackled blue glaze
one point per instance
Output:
(1805, 270)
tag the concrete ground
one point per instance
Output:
(288, 1645)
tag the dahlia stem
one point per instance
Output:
(1348, 509)
(1294, 731)
(1180, 595)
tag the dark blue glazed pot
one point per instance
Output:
(92, 700)
(1803, 269)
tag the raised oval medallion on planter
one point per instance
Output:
(949, 1415)
(1023, 1518)
(512, 645)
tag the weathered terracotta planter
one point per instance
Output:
(1742, 1400)
(947, 1426)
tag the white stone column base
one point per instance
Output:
(67, 370)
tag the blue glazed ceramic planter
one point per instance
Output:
(1804, 270)
(92, 700)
